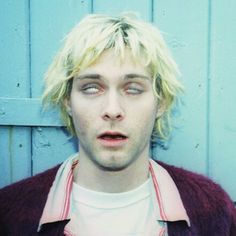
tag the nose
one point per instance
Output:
(113, 110)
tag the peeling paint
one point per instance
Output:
(45, 144)
(42, 141)
(230, 128)
(2, 112)
(175, 43)
(39, 129)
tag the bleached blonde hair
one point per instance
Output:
(95, 34)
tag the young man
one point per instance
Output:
(115, 83)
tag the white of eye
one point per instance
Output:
(91, 90)
(134, 90)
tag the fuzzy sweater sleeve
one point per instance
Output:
(22, 203)
(209, 207)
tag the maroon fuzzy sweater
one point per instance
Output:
(209, 208)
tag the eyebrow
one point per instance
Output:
(133, 76)
(88, 76)
(125, 77)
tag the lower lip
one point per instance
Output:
(113, 142)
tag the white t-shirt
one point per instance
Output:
(111, 214)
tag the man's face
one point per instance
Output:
(113, 108)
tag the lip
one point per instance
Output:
(111, 142)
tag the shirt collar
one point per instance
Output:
(166, 197)
(57, 206)
(169, 206)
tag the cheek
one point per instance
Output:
(147, 110)
(145, 116)
(81, 123)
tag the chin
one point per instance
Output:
(113, 165)
(112, 168)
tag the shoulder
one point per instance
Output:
(196, 184)
(24, 201)
(187, 179)
(203, 198)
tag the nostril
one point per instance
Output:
(109, 116)
(106, 117)
(119, 117)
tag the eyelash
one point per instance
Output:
(134, 91)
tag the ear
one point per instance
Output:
(162, 106)
(67, 105)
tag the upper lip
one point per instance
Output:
(112, 133)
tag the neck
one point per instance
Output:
(90, 176)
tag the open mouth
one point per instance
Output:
(107, 136)
(112, 137)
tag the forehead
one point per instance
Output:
(114, 63)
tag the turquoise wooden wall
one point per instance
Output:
(202, 37)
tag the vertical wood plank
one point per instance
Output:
(50, 22)
(5, 156)
(185, 28)
(15, 142)
(14, 79)
(222, 95)
(15, 148)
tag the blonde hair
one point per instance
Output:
(97, 33)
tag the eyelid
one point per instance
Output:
(135, 83)
(136, 87)
(91, 88)
(89, 82)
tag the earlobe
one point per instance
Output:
(161, 109)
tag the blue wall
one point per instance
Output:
(202, 37)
